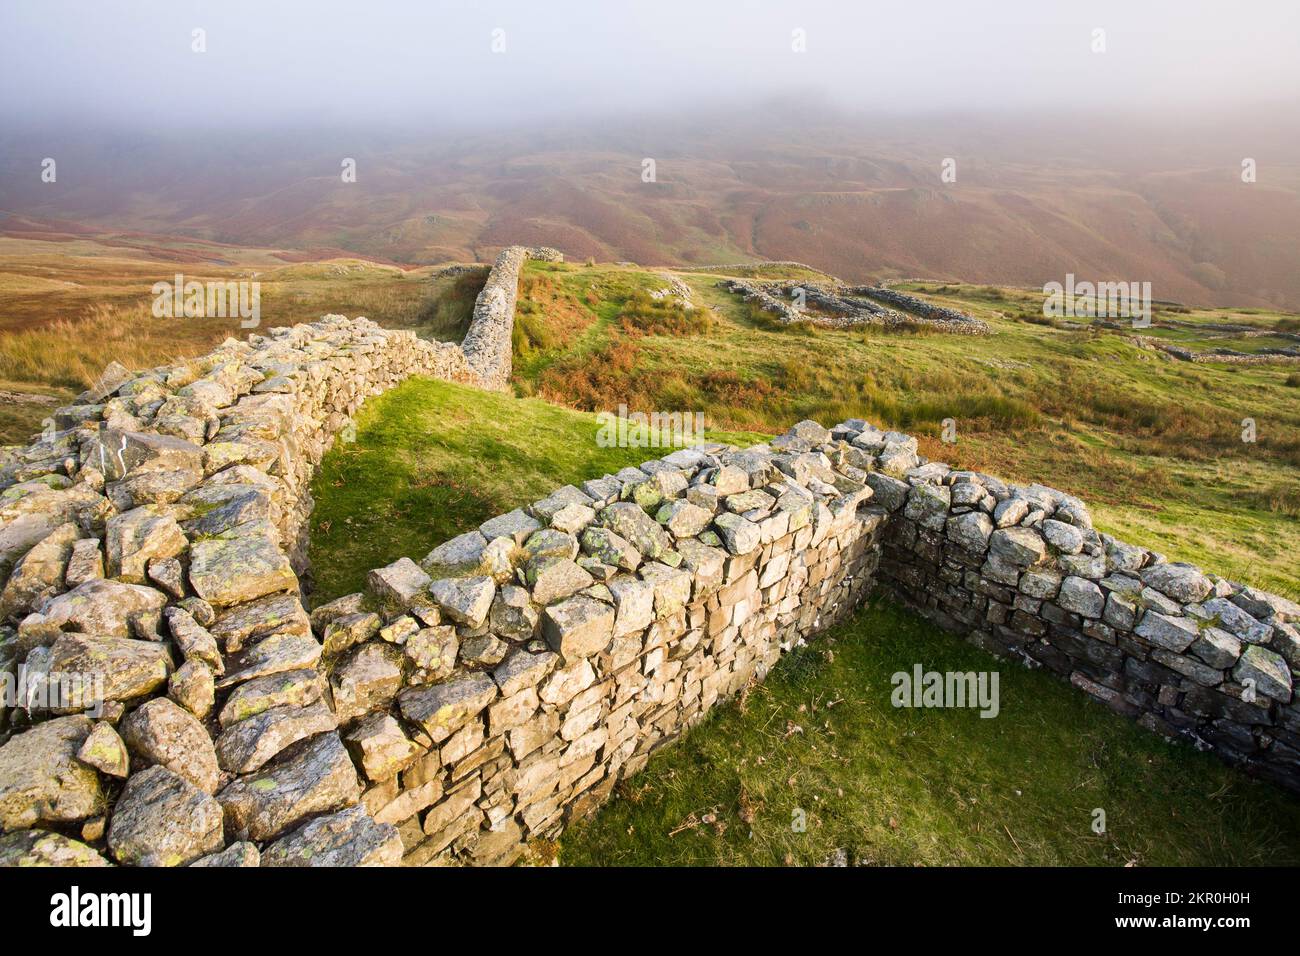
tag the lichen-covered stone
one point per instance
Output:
(43, 848)
(41, 779)
(313, 776)
(161, 819)
(160, 732)
(347, 838)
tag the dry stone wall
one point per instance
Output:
(1022, 572)
(501, 687)
(480, 699)
(487, 344)
(148, 545)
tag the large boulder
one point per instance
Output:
(161, 819)
(347, 838)
(313, 776)
(41, 779)
(160, 732)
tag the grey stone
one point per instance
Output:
(245, 746)
(161, 819)
(347, 838)
(313, 776)
(1182, 582)
(578, 627)
(43, 848)
(464, 600)
(160, 732)
(1267, 670)
(442, 709)
(41, 779)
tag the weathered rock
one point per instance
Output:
(1267, 670)
(349, 630)
(517, 525)
(85, 563)
(462, 555)
(195, 642)
(272, 655)
(522, 669)
(244, 624)
(161, 819)
(104, 750)
(554, 578)
(235, 855)
(683, 519)
(1171, 633)
(578, 626)
(1019, 547)
(631, 523)
(168, 574)
(98, 669)
(313, 776)
(464, 600)
(43, 848)
(288, 689)
(347, 838)
(513, 614)
(101, 607)
(233, 569)
(442, 709)
(39, 575)
(194, 687)
(399, 585)
(1182, 582)
(160, 732)
(380, 747)
(610, 548)
(138, 536)
(740, 535)
(41, 779)
(368, 679)
(1081, 596)
(245, 746)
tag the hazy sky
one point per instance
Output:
(131, 62)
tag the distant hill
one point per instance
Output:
(1030, 203)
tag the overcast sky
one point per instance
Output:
(130, 63)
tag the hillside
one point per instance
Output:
(861, 199)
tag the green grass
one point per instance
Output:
(929, 786)
(1152, 444)
(433, 460)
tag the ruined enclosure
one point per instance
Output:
(480, 696)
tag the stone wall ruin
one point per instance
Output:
(461, 707)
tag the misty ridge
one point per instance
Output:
(1013, 145)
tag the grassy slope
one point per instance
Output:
(1154, 445)
(929, 786)
(433, 460)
